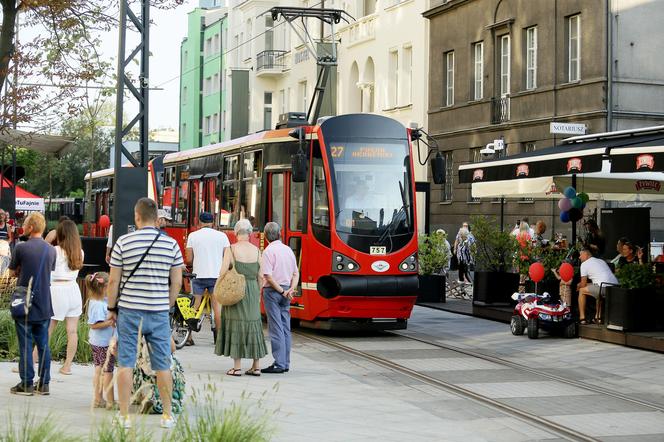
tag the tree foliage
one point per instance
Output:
(59, 56)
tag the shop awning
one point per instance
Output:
(640, 186)
(33, 141)
(580, 155)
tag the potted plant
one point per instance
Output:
(635, 305)
(493, 251)
(434, 255)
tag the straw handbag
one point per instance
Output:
(230, 289)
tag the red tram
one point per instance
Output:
(347, 209)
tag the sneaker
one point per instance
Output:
(167, 421)
(123, 421)
(22, 390)
(272, 369)
(42, 389)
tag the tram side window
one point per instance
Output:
(169, 186)
(321, 207)
(230, 189)
(182, 197)
(277, 202)
(296, 205)
(251, 185)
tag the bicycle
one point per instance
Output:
(184, 319)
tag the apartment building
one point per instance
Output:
(508, 68)
(203, 93)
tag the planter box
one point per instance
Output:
(494, 287)
(633, 309)
(432, 288)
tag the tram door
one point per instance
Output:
(195, 195)
(286, 204)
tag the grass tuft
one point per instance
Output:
(34, 429)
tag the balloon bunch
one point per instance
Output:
(572, 204)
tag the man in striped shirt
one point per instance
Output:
(140, 298)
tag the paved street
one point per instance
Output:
(334, 395)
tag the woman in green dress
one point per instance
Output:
(241, 332)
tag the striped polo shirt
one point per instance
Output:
(148, 287)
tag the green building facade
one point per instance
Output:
(202, 79)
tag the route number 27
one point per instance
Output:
(337, 151)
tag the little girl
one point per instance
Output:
(101, 339)
(565, 289)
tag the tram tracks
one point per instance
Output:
(550, 376)
(525, 416)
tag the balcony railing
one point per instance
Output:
(270, 60)
(500, 112)
(362, 30)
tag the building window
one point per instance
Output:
(267, 110)
(217, 43)
(185, 59)
(408, 75)
(504, 65)
(529, 147)
(303, 96)
(207, 86)
(574, 47)
(449, 78)
(478, 71)
(207, 127)
(531, 58)
(393, 79)
(282, 102)
(446, 191)
(215, 84)
(208, 47)
(183, 135)
(184, 95)
(269, 33)
(236, 49)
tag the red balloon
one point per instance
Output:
(566, 272)
(104, 222)
(536, 272)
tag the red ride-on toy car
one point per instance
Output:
(534, 311)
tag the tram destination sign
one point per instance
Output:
(568, 128)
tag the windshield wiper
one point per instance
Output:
(402, 213)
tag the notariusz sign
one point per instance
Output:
(568, 128)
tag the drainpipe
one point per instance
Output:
(609, 66)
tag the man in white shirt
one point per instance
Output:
(205, 251)
(600, 274)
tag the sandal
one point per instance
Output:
(253, 372)
(234, 372)
(66, 373)
(584, 322)
(100, 404)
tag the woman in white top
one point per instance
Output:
(65, 293)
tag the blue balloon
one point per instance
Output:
(564, 217)
(570, 192)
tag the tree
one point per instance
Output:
(50, 68)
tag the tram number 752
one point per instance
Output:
(378, 250)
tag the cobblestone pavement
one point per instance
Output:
(337, 396)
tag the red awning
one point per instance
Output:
(20, 192)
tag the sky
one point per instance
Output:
(168, 29)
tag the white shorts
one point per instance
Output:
(66, 300)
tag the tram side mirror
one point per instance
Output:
(299, 167)
(438, 169)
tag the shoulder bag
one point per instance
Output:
(22, 296)
(230, 288)
(138, 264)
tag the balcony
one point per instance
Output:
(500, 110)
(270, 63)
(362, 30)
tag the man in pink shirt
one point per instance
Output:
(279, 268)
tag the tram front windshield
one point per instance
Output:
(372, 194)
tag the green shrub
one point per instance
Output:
(433, 253)
(58, 342)
(492, 250)
(32, 428)
(636, 276)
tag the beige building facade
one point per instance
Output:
(507, 69)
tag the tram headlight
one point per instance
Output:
(342, 263)
(409, 264)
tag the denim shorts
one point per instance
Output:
(199, 285)
(157, 332)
